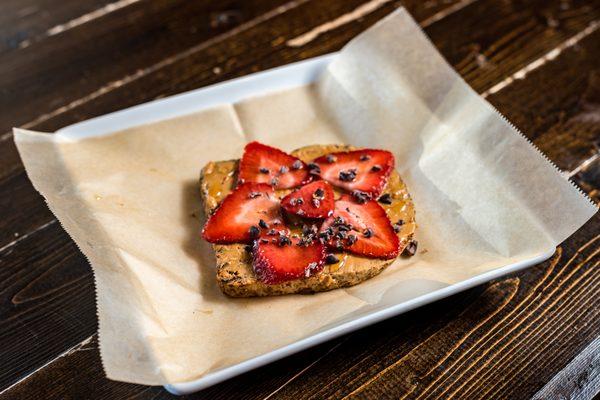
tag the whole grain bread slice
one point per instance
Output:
(235, 275)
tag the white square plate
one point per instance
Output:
(289, 76)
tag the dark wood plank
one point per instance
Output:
(588, 177)
(563, 122)
(23, 21)
(46, 301)
(23, 209)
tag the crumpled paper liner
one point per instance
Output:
(484, 196)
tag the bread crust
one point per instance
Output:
(235, 275)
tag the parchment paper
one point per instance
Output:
(484, 198)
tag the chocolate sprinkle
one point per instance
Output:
(284, 240)
(385, 198)
(344, 227)
(339, 221)
(368, 233)
(319, 194)
(254, 232)
(264, 240)
(331, 259)
(274, 182)
(397, 228)
(376, 168)
(331, 158)
(308, 230)
(272, 232)
(297, 164)
(360, 196)
(351, 240)
(348, 175)
(314, 169)
(263, 224)
(365, 157)
(326, 234)
(283, 169)
(263, 170)
(410, 249)
(248, 248)
(316, 203)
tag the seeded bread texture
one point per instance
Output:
(235, 275)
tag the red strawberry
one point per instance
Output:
(363, 170)
(314, 200)
(363, 229)
(286, 259)
(250, 209)
(267, 164)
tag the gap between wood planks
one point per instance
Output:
(85, 18)
(360, 12)
(592, 27)
(78, 347)
(303, 370)
(551, 55)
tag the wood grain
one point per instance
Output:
(46, 301)
(540, 319)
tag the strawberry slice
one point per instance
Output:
(360, 170)
(285, 259)
(363, 229)
(314, 200)
(265, 164)
(243, 215)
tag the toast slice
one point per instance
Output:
(235, 275)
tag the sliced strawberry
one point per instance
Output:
(314, 200)
(265, 164)
(246, 212)
(287, 259)
(362, 170)
(362, 229)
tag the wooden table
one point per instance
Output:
(532, 334)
